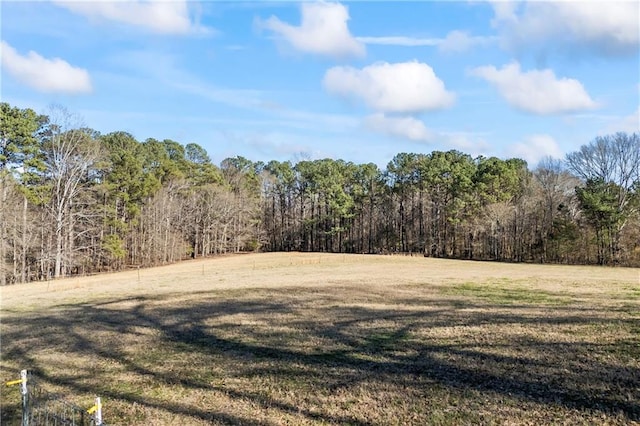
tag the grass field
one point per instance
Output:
(270, 339)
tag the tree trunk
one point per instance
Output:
(23, 254)
(3, 232)
(57, 271)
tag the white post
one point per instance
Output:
(25, 398)
(98, 415)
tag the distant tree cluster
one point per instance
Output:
(73, 201)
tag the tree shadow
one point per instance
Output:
(299, 336)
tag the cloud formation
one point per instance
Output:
(605, 28)
(537, 92)
(628, 124)
(404, 127)
(162, 17)
(45, 75)
(400, 41)
(405, 87)
(323, 30)
(460, 41)
(534, 148)
(455, 41)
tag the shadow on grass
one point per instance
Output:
(317, 345)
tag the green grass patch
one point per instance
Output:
(633, 292)
(506, 293)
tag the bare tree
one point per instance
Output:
(70, 150)
(8, 214)
(612, 158)
(610, 167)
(557, 190)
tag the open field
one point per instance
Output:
(269, 339)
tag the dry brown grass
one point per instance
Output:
(272, 339)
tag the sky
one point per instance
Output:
(356, 80)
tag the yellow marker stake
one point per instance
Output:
(94, 408)
(15, 382)
(97, 409)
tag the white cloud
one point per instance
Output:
(400, 41)
(163, 17)
(534, 148)
(323, 30)
(538, 92)
(627, 124)
(404, 127)
(455, 41)
(504, 11)
(402, 87)
(472, 143)
(45, 75)
(460, 41)
(603, 27)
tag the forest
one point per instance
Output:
(76, 202)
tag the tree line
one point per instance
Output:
(74, 201)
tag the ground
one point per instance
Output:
(293, 338)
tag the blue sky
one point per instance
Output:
(356, 80)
